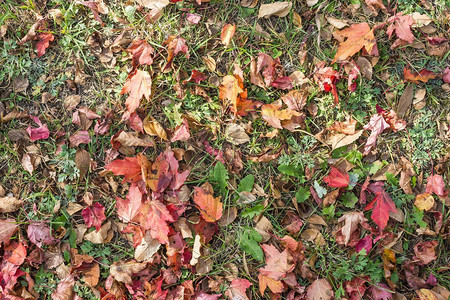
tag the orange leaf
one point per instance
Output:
(210, 208)
(128, 167)
(229, 91)
(154, 217)
(227, 33)
(139, 84)
(274, 285)
(423, 75)
(44, 42)
(358, 36)
(141, 53)
(175, 44)
(272, 114)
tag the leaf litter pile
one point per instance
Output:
(224, 149)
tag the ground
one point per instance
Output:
(224, 149)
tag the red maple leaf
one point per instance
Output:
(141, 52)
(337, 178)
(382, 204)
(129, 167)
(139, 84)
(94, 215)
(154, 217)
(175, 44)
(44, 42)
(40, 133)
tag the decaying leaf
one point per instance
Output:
(280, 9)
(227, 33)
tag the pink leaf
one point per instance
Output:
(94, 215)
(39, 233)
(377, 125)
(40, 133)
(81, 137)
(436, 184)
(181, 132)
(129, 208)
(193, 18)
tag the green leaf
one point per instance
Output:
(249, 243)
(246, 184)
(73, 238)
(302, 194)
(289, 170)
(391, 179)
(221, 176)
(354, 157)
(349, 200)
(253, 211)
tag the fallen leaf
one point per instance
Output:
(425, 251)
(211, 208)
(39, 234)
(104, 235)
(358, 36)
(94, 6)
(20, 84)
(196, 253)
(405, 101)
(196, 77)
(82, 162)
(193, 18)
(436, 185)
(376, 125)
(351, 221)
(129, 208)
(423, 75)
(237, 289)
(141, 52)
(229, 91)
(64, 289)
(326, 77)
(365, 67)
(175, 44)
(40, 133)
(381, 291)
(123, 270)
(277, 264)
(272, 114)
(138, 84)
(275, 286)
(94, 215)
(9, 204)
(154, 216)
(382, 204)
(181, 132)
(401, 25)
(320, 289)
(128, 139)
(154, 4)
(227, 33)
(44, 43)
(153, 127)
(8, 229)
(424, 201)
(18, 253)
(295, 99)
(81, 137)
(128, 167)
(147, 248)
(235, 134)
(346, 127)
(280, 9)
(339, 24)
(376, 5)
(337, 178)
